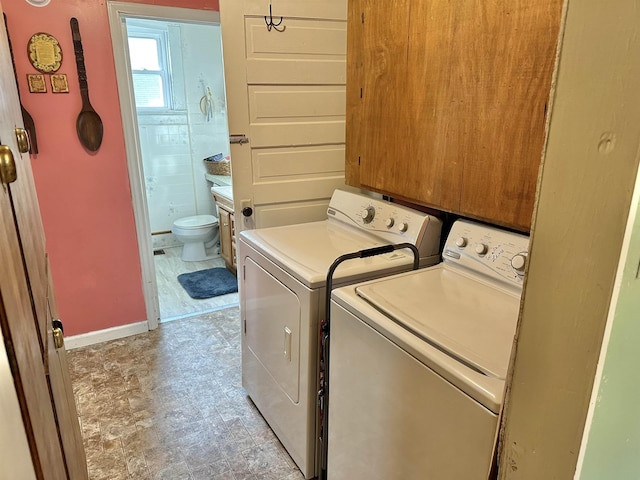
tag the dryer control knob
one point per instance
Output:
(367, 214)
(461, 242)
(518, 262)
(403, 227)
(389, 222)
(481, 248)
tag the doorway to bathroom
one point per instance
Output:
(171, 86)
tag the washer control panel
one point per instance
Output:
(488, 251)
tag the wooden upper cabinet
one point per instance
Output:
(446, 102)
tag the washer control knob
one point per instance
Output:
(518, 262)
(481, 248)
(367, 214)
(461, 242)
(389, 222)
(403, 227)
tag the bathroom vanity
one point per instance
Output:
(223, 196)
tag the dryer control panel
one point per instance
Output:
(392, 222)
(485, 250)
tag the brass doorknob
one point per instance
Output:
(58, 333)
(23, 140)
(58, 338)
(8, 173)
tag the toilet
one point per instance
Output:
(197, 233)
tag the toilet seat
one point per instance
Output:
(196, 221)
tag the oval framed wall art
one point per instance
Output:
(44, 52)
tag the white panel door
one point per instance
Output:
(285, 91)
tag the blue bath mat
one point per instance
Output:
(208, 283)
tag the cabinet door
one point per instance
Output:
(391, 124)
(224, 222)
(499, 88)
(446, 104)
(232, 224)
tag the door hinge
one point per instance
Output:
(245, 326)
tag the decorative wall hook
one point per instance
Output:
(270, 24)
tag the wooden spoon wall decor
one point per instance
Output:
(89, 124)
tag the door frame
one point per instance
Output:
(118, 11)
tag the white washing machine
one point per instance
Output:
(282, 279)
(418, 362)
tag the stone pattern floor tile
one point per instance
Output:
(169, 404)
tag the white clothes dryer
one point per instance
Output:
(282, 279)
(418, 362)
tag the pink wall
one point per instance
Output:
(85, 198)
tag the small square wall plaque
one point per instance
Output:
(36, 83)
(59, 83)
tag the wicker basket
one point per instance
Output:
(222, 167)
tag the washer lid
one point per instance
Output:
(307, 250)
(468, 319)
(196, 221)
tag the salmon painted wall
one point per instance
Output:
(85, 198)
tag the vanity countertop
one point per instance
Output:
(219, 180)
(223, 195)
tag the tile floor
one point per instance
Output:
(168, 404)
(173, 299)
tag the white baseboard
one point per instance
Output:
(99, 336)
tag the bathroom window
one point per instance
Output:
(150, 68)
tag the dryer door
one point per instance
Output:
(273, 327)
